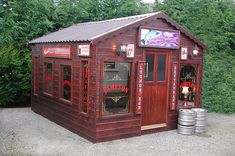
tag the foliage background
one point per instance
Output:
(212, 21)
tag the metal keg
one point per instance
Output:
(201, 120)
(186, 122)
(186, 130)
(186, 117)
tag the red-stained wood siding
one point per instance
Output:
(64, 113)
(106, 51)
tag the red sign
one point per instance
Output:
(85, 89)
(139, 88)
(174, 86)
(59, 52)
(115, 87)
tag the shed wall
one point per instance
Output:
(66, 114)
(108, 128)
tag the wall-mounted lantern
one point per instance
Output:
(122, 49)
(195, 51)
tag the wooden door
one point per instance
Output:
(155, 90)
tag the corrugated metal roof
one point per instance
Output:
(90, 30)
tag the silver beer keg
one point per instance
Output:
(186, 122)
(201, 120)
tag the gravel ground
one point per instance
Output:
(22, 132)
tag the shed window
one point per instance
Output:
(187, 88)
(161, 69)
(48, 78)
(116, 88)
(66, 82)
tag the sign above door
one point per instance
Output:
(159, 38)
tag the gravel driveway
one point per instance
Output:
(22, 132)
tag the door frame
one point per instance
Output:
(168, 73)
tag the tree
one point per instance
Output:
(21, 21)
(68, 12)
(13, 82)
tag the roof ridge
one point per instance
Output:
(119, 19)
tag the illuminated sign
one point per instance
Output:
(58, 52)
(159, 38)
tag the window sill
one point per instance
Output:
(83, 114)
(116, 115)
(47, 94)
(188, 106)
(185, 107)
(65, 101)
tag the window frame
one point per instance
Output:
(70, 102)
(43, 81)
(197, 66)
(155, 74)
(131, 84)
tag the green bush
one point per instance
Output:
(219, 83)
(14, 75)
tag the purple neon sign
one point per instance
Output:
(159, 38)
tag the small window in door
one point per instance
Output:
(161, 70)
(149, 67)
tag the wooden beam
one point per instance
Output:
(153, 126)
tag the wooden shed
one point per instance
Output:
(117, 78)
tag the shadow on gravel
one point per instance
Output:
(203, 135)
(17, 105)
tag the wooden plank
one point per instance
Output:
(115, 131)
(116, 124)
(153, 126)
(118, 136)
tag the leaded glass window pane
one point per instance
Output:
(116, 87)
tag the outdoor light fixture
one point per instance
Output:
(122, 49)
(194, 52)
(185, 91)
